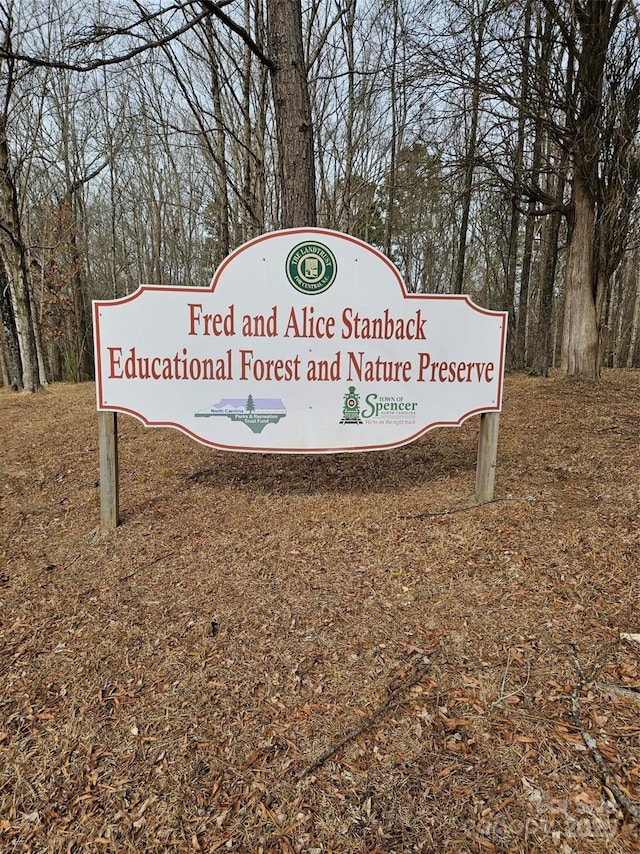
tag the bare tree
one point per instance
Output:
(13, 250)
(602, 118)
(477, 33)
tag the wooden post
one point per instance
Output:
(108, 451)
(487, 456)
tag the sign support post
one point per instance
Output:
(108, 452)
(487, 456)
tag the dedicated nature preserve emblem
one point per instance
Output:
(311, 267)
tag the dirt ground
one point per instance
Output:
(323, 654)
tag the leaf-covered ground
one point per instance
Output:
(323, 654)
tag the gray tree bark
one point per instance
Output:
(13, 258)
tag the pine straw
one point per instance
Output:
(304, 654)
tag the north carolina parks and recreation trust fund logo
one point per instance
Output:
(311, 267)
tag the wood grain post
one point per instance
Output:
(487, 456)
(109, 487)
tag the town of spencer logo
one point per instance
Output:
(311, 267)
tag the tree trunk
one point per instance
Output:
(517, 321)
(542, 351)
(591, 137)
(5, 380)
(394, 142)
(470, 152)
(635, 325)
(14, 366)
(15, 267)
(292, 106)
(347, 193)
(520, 344)
(579, 351)
(220, 146)
(21, 303)
(83, 341)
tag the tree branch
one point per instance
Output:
(608, 779)
(323, 38)
(101, 34)
(216, 10)
(40, 62)
(395, 697)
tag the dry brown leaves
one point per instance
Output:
(302, 654)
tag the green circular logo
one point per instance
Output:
(311, 267)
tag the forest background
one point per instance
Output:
(486, 147)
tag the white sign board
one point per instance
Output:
(306, 342)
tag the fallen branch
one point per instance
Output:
(393, 700)
(515, 693)
(145, 566)
(71, 562)
(629, 693)
(428, 514)
(609, 781)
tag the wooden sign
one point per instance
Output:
(306, 341)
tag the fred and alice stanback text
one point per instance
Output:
(305, 324)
